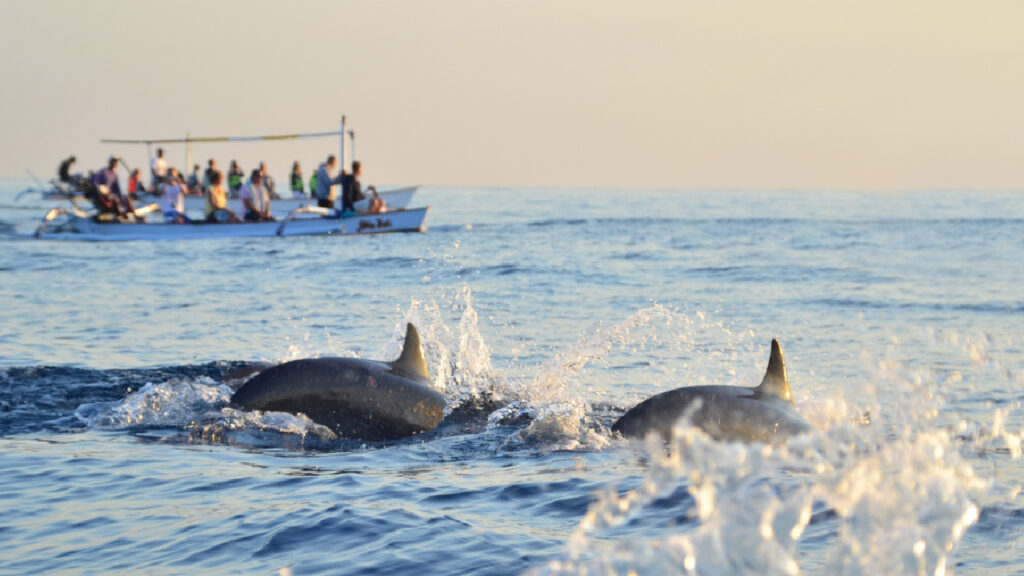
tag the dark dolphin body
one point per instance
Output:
(763, 414)
(361, 399)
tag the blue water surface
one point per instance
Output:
(545, 314)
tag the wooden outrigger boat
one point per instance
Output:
(303, 218)
(74, 224)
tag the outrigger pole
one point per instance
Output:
(189, 140)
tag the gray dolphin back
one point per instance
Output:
(763, 414)
(359, 399)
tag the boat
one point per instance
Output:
(75, 224)
(394, 199)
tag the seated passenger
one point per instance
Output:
(135, 186)
(235, 176)
(106, 192)
(172, 200)
(255, 199)
(217, 201)
(353, 192)
(297, 190)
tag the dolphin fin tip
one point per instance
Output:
(775, 380)
(412, 358)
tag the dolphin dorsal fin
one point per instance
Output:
(412, 359)
(775, 381)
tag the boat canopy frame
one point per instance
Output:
(188, 140)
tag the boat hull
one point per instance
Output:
(77, 228)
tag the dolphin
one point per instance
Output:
(762, 414)
(356, 398)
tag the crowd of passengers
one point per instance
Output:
(102, 187)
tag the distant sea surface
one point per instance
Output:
(545, 315)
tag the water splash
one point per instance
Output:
(175, 403)
(895, 493)
(558, 409)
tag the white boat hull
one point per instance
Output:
(78, 228)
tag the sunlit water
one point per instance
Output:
(545, 314)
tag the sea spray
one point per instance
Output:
(889, 494)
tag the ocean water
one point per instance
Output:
(545, 315)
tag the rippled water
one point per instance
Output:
(545, 314)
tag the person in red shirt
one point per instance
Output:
(135, 186)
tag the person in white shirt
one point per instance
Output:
(255, 199)
(172, 202)
(159, 169)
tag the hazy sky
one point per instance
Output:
(876, 94)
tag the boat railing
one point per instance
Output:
(304, 209)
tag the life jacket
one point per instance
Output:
(296, 182)
(235, 180)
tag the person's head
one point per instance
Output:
(159, 152)
(216, 178)
(234, 163)
(72, 160)
(295, 166)
(112, 163)
(357, 168)
(256, 177)
(263, 167)
(135, 173)
(195, 168)
(172, 173)
(332, 161)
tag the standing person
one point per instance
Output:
(325, 192)
(353, 191)
(158, 168)
(297, 190)
(268, 182)
(64, 170)
(255, 199)
(217, 201)
(235, 177)
(211, 167)
(172, 201)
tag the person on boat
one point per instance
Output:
(193, 180)
(297, 189)
(217, 201)
(325, 194)
(108, 198)
(353, 192)
(159, 169)
(172, 200)
(64, 170)
(235, 177)
(211, 167)
(268, 182)
(135, 186)
(255, 199)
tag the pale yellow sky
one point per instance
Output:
(842, 94)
